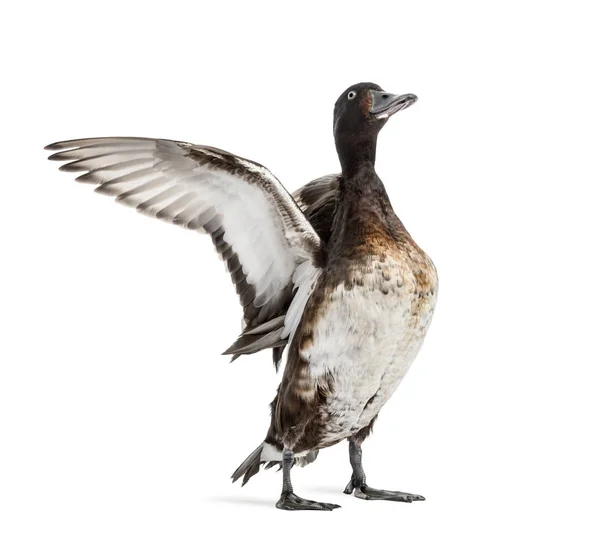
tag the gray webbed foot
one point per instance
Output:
(358, 482)
(291, 501)
(371, 494)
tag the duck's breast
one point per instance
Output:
(366, 335)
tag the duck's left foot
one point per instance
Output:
(291, 501)
(371, 494)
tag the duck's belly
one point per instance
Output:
(364, 342)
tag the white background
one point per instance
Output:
(118, 417)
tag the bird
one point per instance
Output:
(328, 272)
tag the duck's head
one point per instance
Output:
(364, 108)
(359, 114)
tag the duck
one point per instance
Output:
(327, 273)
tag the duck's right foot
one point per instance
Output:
(370, 494)
(291, 501)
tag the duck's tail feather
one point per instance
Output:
(251, 465)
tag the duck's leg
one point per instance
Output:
(358, 482)
(289, 500)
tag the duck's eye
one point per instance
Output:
(351, 94)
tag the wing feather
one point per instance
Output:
(256, 226)
(318, 200)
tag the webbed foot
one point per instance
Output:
(291, 501)
(371, 494)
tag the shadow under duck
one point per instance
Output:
(329, 272)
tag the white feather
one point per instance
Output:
(305, 278)
(270, 453)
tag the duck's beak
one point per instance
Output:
(383, 104)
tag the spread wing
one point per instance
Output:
(318, 200)
(255, 224)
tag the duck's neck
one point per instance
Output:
(356, 152)
(363, 202)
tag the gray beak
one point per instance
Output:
(384, 105)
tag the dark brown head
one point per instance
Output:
(364, 108)
(359, 114)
